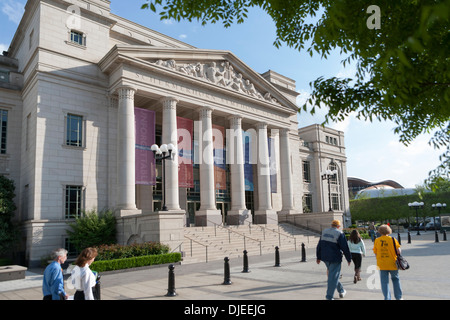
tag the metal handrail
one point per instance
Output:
(192, 240)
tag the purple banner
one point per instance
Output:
(185, 168)
(145, 137)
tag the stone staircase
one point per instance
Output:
(203, 244)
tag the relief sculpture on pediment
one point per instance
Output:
(222, 74)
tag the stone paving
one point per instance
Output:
(427, 279)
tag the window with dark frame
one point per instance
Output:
(73, 201)
(77, 38)
(74, 130)
(4, 129)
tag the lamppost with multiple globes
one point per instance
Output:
(327, 175)
(416, 205)
(437, 206)
(163, 153)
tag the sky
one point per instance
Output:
(373, 151)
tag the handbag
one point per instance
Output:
(401, 262)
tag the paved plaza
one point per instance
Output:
(427, 279)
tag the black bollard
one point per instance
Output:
(399, 239)
(245, 270)
(445, 235)
(277, 257)
(226, 270)
(171, 290)
(436, 236)
(303, 253)
(409, 237)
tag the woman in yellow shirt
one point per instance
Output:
(386, 256)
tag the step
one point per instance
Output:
(228, 241)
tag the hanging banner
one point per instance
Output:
(220, 176)
(272, 165)
(185, 131)
(248, 168)
(144, 124)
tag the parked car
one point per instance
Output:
(430, 226)
(420, 226)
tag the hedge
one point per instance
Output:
(134, 262)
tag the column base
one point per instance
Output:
(266, 217)
(208, 217)
(127, 212)
(287, 212)
(237, 217)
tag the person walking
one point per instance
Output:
(386, 262)
(82, 278)
(372, 231)
(53, 281)
(358, 250)
(331, 245)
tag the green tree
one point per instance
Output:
(402, 50)
(93, 229)
(9, 232)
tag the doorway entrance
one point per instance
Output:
(192, 207)
(223, 207)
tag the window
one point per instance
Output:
(307, 203)
(333, 167)
(3, 130)
(74, 130)
(306, 172)
(77, 38)
(4, 76)
(73, 202)
(335, 201)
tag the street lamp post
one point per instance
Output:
(162, 153)
(327, 175)
(437, 206)
(416, 205)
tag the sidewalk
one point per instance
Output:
(293, 280)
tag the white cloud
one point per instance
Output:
(13, 9)
(3, 47)
(182, 36)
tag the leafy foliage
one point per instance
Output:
(403, 68)
(379, 209)
(9, 232)
(116, 251)
(93, 229)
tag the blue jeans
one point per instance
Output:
(334, 271)
(384, 279)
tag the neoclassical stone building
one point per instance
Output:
(86, 94)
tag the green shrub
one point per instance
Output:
(9, 232)
(116, 251)
(134, 262)
(93, 229)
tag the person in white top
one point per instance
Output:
(82, 278)
(358, 250)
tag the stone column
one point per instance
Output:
(265, 214)
(169, 135)
(287, 194)
(207, 214)
(126, 197)
(235, 155)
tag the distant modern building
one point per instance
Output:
(355, 185)
(84, 94)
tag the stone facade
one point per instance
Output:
(74, 63)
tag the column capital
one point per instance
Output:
(235, 119)
(261, 125)
(284, 132)
(126, 92)
(205, 112)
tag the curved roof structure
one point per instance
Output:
(356, 184)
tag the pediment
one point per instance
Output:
(221, 69)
